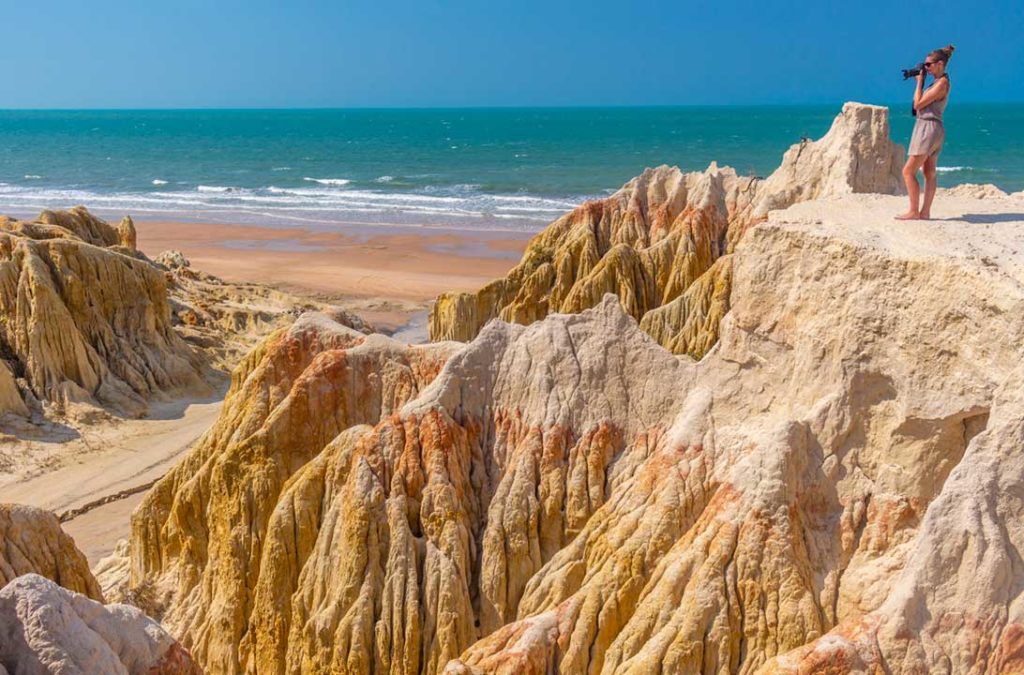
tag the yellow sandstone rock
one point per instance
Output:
(32, 542)
(662, 233)
(84, 318)
(289, 398)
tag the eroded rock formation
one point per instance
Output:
(833, 485)
(289, 399)
(85, 318)
(32, 542)
(661, 243)
(225, 320)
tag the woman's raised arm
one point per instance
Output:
(934, 93)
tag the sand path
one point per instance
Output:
(108, 461)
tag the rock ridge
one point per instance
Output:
(85, 319)
(662, 242)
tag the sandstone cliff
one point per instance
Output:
(291, 396)
(32, 541)
(834, 486)
(661, 243)
(84, 318)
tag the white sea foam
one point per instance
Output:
(946, 169)
(385, 179)
(157, 181)
(281, 168)
(461, 207)
(32, 176)
(329, 181)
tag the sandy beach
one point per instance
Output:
(390, 273)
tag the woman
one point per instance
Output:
(926, 141)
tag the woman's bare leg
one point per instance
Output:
(910, 169)
(930, 183)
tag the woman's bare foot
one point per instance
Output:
(909, 215)
(925, 215)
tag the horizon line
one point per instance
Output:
(480, 107)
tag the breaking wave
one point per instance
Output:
(457, 207)
(329, 181)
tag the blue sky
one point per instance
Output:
(72, 54)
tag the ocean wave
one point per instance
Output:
(32, 176)
(281, 168)
(948, 169)
(457, 206)
(329, 181)
(157, 181)
(384, 179)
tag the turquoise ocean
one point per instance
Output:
(490, 169)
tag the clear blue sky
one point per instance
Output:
(341, 53)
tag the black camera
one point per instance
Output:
(913, 72)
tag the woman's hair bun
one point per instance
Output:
(943, 54)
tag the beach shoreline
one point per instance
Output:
(387, 275)
(360, 263)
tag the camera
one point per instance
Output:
(913, 72)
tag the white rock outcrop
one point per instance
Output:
(47, 630)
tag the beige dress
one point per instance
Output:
(928, 130)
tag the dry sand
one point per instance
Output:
(388, 276)
(105, 460)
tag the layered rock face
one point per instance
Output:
(32, 542)
(855, 456)
(85, 318)
(661, 243)
(833, 488)
(290, 397)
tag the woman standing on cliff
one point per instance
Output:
(926, 140)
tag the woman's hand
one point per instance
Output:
(920, 77)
